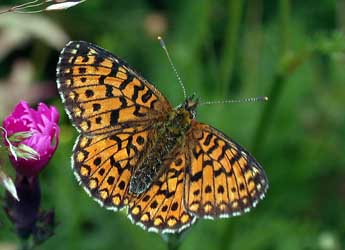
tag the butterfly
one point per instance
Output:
(136, 152)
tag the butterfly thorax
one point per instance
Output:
(170, 136)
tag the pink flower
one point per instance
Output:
(43, 124)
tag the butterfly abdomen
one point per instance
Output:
(170, 136)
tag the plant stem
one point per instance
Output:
(230, 44)
(266, 116)
(275, 92)
(24, 245)
(279, 79)
(174, 242)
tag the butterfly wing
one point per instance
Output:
(102, 93)
(160, 208)
(114, 108)
(103, 164)
(223, 179)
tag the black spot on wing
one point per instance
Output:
(114, 116)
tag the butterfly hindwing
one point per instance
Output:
(223, 179)
(102, 93)
(104, 164)
(161, 207)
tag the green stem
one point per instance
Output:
(227, 236)
(284, 9)
(279, 79)
(173, 241)
(274, 95)
(24, 244)
(230, 44)
(275, 92)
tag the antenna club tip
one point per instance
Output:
(161, 41)
(265, 98)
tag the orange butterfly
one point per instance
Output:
(136, 151)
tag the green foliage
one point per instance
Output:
(292, 51)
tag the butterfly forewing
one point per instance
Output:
(101, 93)
(223, 178)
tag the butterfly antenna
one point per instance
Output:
(250, 99)
(164, 47)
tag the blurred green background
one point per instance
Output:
(291, 51)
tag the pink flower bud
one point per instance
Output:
(43, 124)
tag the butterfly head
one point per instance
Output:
(190, 105)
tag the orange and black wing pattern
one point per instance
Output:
(114, 109)
(161, 208)
(223, 179)
(102, 93)
(104, 164)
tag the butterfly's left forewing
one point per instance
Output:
(223, 179)
(102, 93)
